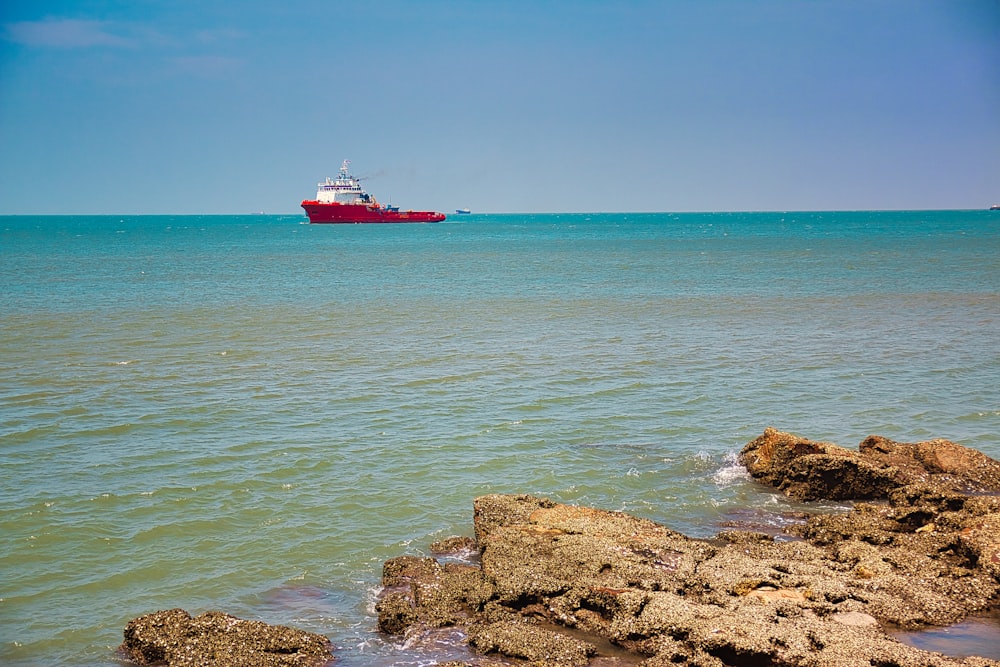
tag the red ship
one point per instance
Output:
(344, 200)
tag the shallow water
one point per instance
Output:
(252, 414)
(978, 636)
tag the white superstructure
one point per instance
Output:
(345, 189)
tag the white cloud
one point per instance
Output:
(66, 34)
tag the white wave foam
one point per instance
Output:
(731, 472)
(372, 594)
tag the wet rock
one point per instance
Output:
(925, 460)
(811, 470)
(175, 639)
(396, 612)
(550, 568)
(454, 546)
(421, 590)
(556, 582)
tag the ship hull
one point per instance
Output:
(334, 213)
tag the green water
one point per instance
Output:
(252, 414)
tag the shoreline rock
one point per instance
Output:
(568, 586)
(810, 470)
(555, 582)
(176, 639)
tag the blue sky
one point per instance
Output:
(149, 106)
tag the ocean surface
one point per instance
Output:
(251, 414)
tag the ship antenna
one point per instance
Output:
(343, 167)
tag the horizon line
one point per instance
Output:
(664, 212)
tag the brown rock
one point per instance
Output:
(175, 639)
(519, 639)
(551, 570)
(837, 477)
(855, 618)
(553, 576)
(396, 612)
(422, 591)
(496, 510)
(771, 594)
(810, 470)
(980, 538)
(772, 451)
(454, 545)
(942, 458)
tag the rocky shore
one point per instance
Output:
(570, 586)
(556, 583)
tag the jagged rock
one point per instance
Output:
(965, 467)
(552, 575)
(175, 639)
(981, 539)
(670, 598)
(496, 509)
(454, 545)
(421, 590)
(810, 470)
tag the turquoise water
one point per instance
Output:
(251, 414)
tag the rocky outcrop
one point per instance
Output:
(558, 584)
(175, 639)
(810, 470)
